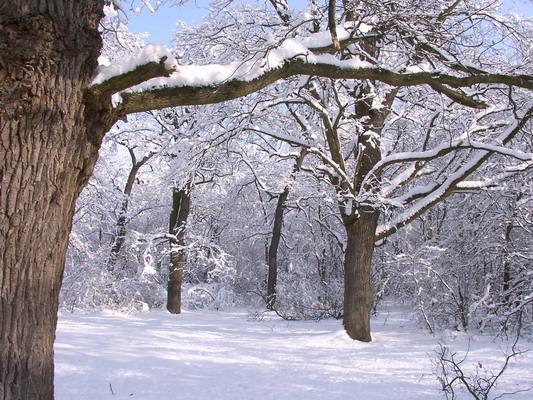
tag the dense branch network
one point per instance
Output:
(152, 80)
(427, 196)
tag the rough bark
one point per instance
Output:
(361, 228)
(181, 205)
(358, 275)
(48, 147)
(51, 129)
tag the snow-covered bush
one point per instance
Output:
(465, 264)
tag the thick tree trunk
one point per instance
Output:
(181, 205)
(358, 293)
(361, 227)
(48, 147)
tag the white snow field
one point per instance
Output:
(220, 355)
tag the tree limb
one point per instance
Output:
(238, 86)
(447, 188)
(128, 79)
(332, 25)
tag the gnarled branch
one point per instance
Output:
(238, 86)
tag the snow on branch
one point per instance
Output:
(495, 181)
(282, 9)
(350, 33)
(152, 61)
(292, 140)
(339, 171)
(445, 149)
(196, 85)
(152, 80)
(441, 191)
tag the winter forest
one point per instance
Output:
(306, 200)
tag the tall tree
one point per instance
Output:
(272, 256)
(50, 139)
(181, 207)
(354, 117)
(55, 111)
(120, 229)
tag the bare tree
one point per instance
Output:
(120, 230)
(277, 226)
(451, 374)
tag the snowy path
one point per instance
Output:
(218, 356)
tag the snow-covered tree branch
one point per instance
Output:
(179, 85)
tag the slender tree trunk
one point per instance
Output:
(358, 275)
(276, 234)
(272, 278)
(181, 205)
(506, 276)
(48, 148)
(120, 230)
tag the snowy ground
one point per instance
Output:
(215, 355)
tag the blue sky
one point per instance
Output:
(161, 24)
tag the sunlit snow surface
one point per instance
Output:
(216, 355)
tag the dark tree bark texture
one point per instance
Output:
(48, 147)
(358, 292)
(181, 206)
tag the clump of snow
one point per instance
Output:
(116, 99)
(103, 61)
(351, 63)
(149, 53)
(323, 39)
(422, 67)
(214, 74)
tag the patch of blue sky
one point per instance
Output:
(161, 25)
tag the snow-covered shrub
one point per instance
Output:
(310, 282)
(209, 276)
(301, 295)
(466, 264)
(135, 284)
